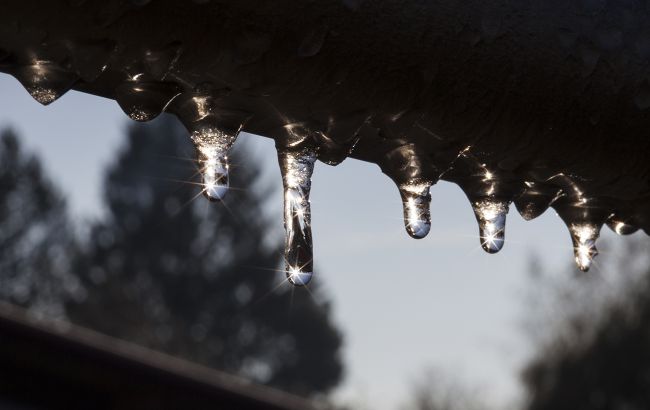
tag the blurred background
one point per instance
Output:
(102, 225)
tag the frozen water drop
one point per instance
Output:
(584, 237)
(145, 100)
(416, 200)
(491, 218)
(213, 146)
(297, 167)
(44, 81)
(535, 200)
(620, 226)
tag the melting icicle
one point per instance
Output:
(584, 244)
(213, 129)
(416, 200)
(213, 146)
(297, 168)
(491, 217)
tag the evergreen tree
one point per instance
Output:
(174, 272)
(35, 235)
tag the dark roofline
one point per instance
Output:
(62, 354)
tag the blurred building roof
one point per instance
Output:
(53, 364)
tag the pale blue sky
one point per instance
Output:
(403, 304)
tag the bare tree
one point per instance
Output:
(593, 342)
(435, 390)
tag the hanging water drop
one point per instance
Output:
(416, 201)
(491, 218)
(297, 167)
(45, 81)
(145, 100)
(212, 146)
(584, 237)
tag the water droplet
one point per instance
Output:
(416, 200)
(145, 100)
(620, 226)
(297, 167)
(212, 146)
(491, 218)
(584, 237)
(44, 81)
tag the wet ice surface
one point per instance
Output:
(377, 109)
(354, 253)
(214, 129)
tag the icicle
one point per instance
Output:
(491, 218)
(212, 146)
(584, 237)
(213, 130)
(416, 200)
(584, 216)
(45, 81)
(297, 168)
